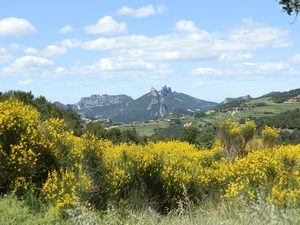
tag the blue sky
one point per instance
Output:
(65, 50)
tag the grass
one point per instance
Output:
(210, 214)
(146, 128)
(15, 212)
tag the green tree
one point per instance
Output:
(96, 129)
(290, 6)
(190, 135)
(115, 135)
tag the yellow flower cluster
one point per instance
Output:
(270, 136)
(61, 187)
(19, 142)
(273, 174)
(177, 166)
(232, 127)
(64, 187)
(31, 148)
(270, 131)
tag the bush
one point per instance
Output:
(270, 174)
(270, 136)
(165, 169)
(24, 155)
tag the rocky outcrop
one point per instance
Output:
(227, 100)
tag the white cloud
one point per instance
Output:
(161, 9)
(31, 51)
(15, 26)
(55, 72)
(31, 62)
(2, 51)
(70, 43)
(257, 35)
(247, 69)
(101, 44)
(4, 56)
(106, 25)
(191, 43)
(60, 70)
(24, 82)
(53, 51)
(113, 67)
(199, 84)
(14, 46)
(145, 11)
(133, 55)
(26, 65)
(166, 47)
(268, 68)
(207, 71)
(186, 26)
(127, 64)
(66, 29)
(295, 58)
(235, 56)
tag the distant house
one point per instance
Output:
(209, 112)
(186, 125)
(234, 112)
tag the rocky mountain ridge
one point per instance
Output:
(152, 105)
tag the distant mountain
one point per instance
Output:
(153, 105)
(292, 95)
(228, 100)
(101, 106)
(156, 104)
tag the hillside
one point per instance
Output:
(280, 97)
(153, 105)
(157, 104)
(263, 109)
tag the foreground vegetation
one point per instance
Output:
(50, 173)
(16, 212)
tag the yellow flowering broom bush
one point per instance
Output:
(45, 154)
(286, 188)
(271, 174)
(270, 136)
(167, 169)
(65, 188)
(171, 169)
(80, 176)
(21, 148)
